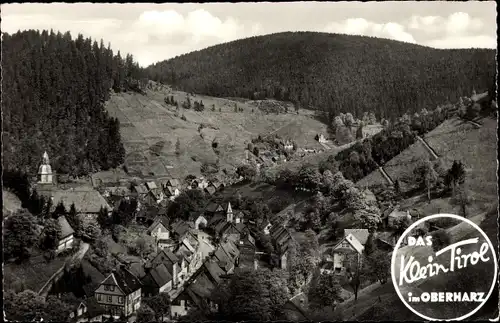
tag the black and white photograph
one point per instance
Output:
(250, 161)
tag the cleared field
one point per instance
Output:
(407, 160)
(146, 120)
(375, 178)
(476, 148)
(32, 274)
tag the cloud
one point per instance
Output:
(361, 26)
(481, 41)
(457, 23)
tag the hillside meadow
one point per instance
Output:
(150, 129)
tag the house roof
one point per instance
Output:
(124, 279)
(118, 190)
(360, 234)
(160, 275)
(353, 241)
(213, 207)
(66, 229)
(173, 182)
(181, 227)
(210, 190)
(141, 189)
(216, 184)
(159, 220)
(88, 201)
(93, 308)
(151, 185)
(170, 190)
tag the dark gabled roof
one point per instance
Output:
(213, 207)
(216, 219)
(173, 182)
(181, 227)
(170, 190)
(160, 275)
(214, 271)
(159, 220)
(124, 279)
(165, 256)
(93, 308)
(66, 229)
(230, 249)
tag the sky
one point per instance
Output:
(155, 32)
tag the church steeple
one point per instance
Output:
(45, 171)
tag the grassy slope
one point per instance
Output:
(147, 120)
(453, 140)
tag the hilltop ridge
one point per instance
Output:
(331, 72)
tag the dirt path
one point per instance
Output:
(429, 148)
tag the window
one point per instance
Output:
(106, 287)
(120, 299)
(112, 288)
(98, 297)
(110, 298)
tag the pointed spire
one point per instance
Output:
(229, 209)
(45, 158)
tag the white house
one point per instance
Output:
(66, 241)
(348, 250)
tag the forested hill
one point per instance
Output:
(53, 89)
(337, 73)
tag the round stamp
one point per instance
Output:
(444, 274)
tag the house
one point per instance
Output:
(266, 227)
(120, 293)
(213, 208)
(171, 262)
(295, 309)
(199, 291)
(321, 138)
(395, 215)
(239, 216)
(174, 183)
(140, 191)
(180, 229)
(199, 183)
(227, 255)
(200, 222)
(166, 243)
(159, 228)
(94, 311)
(117, 191)
(88, 202)
(66, 240)
(282, 239)
(171, 192)
(287, 145)
(348, 251)
(216, 184)
(151, 186)
(157, 280)
(210, 190)
(79, 310)
(152, 198)
(147, 214)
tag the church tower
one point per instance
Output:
(45, 171)
(229, 213)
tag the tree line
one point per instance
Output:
(54, 90)
(332, 73)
